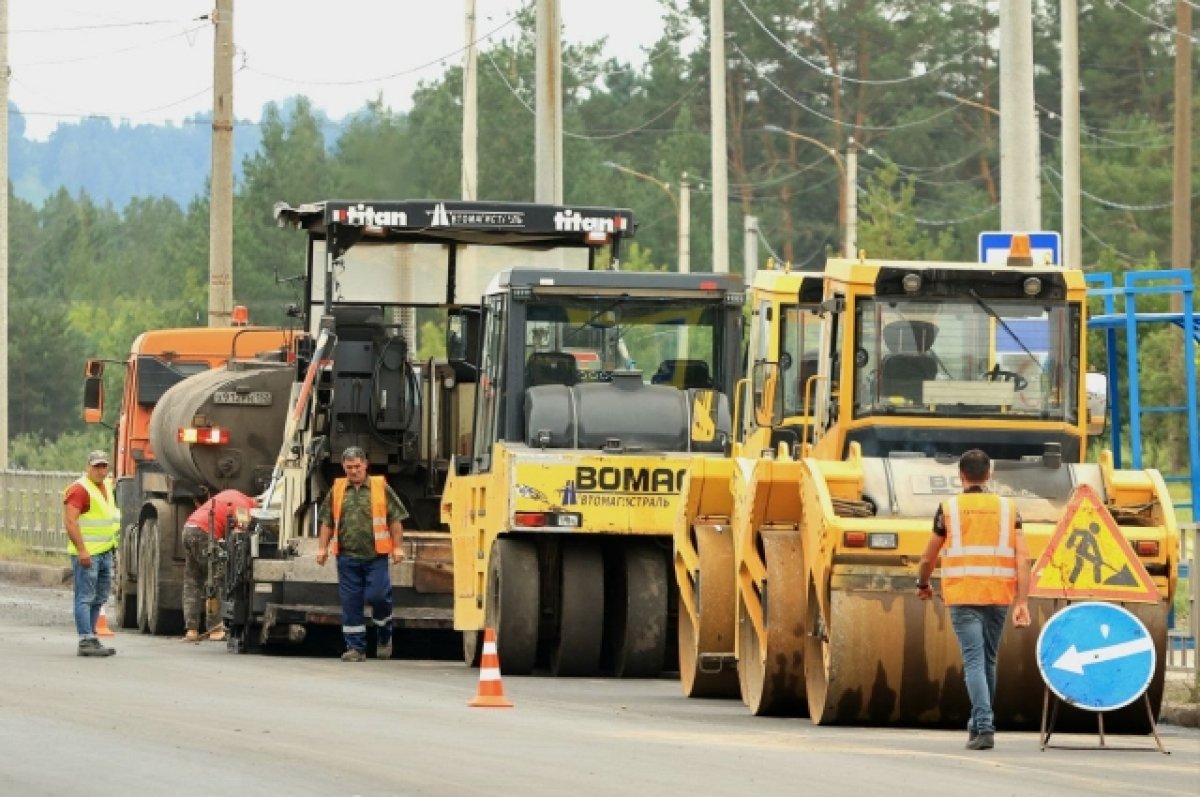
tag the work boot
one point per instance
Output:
(383, 650)
(972, 734)
(192, 635)
(984, 741)
(217, 634)
(90, 646)
(354, 654)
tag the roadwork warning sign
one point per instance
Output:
(1088, 557)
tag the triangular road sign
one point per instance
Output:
(1088, 557)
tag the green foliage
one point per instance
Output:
(67, 452)
(87, 275)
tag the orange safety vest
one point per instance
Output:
(379, 521)
(979, 561)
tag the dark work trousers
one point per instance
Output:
(362, 582)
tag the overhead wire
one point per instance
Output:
(831, 74)
(1169, 29)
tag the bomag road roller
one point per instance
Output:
(781, 357)
(596, 391)
(920, 361)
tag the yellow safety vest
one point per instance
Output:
(979, 561)
(99, 525)
(379, 522)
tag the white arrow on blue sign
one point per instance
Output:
(1096, 656)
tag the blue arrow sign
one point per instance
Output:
(1096, 656)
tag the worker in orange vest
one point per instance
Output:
(361, 524)
(985, 569)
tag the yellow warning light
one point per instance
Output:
(1019, 253)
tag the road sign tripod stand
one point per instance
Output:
(1050, 706)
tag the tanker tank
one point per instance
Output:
(247, 401)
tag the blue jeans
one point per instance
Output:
(362, 582)
(979, 629)
(92, 585)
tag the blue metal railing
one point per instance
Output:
(1127, 318)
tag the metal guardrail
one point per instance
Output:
(31, 508)
(1182, 639)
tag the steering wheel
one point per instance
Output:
(999, 375)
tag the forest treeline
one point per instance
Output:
(915, 84)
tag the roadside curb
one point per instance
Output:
(35, 575)
(1185, 716)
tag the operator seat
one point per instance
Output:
(908, 362)
(550, 368)
(683, 374)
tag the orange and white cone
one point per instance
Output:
(102, 628)
(491, 690)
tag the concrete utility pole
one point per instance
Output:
(1181, 209)
(749, 248)
(720, 155)
(1072, 220)
(470, 133)
(220, 209)
(4, 73)
(685, 225)
(548, 150)
(1020, 159)
(850, 198)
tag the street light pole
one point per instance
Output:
(682, 210)
(849, 227)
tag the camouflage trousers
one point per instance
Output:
(195, 578)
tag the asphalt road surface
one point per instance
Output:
(167, 717)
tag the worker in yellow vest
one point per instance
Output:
(361, 524)
(93, 522)
(985, 569)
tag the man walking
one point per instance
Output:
(93, 522)
(985, 568)
(362, 517)
(209, 522)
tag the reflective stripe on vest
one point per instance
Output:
(979, 565)
(100, 524)
(379, 521)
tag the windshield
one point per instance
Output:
(966, 357)
(570, 340)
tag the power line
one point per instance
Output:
(1157, 24)
(824, 70)
(131, 48)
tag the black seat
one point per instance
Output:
(550, 368)
(908, 362)
(683, 374)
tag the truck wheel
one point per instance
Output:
(639, 630)
(126, 592)
(581, 611)
(154, 616)
(513, 605)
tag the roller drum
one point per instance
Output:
(251, 403)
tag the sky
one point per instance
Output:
(150, 61)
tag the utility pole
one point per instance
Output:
(1181, 214)
(548, 150)
(1020, 178)
(1072, 220)
(749, 248)
(720, 155)
(220, 209)
(4, 73)
(685, 225)
(1181, 208)
(850, 198)
(470, 133)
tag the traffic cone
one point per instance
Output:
(491, 690)
(102, 628)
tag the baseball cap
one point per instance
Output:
(97, 457)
